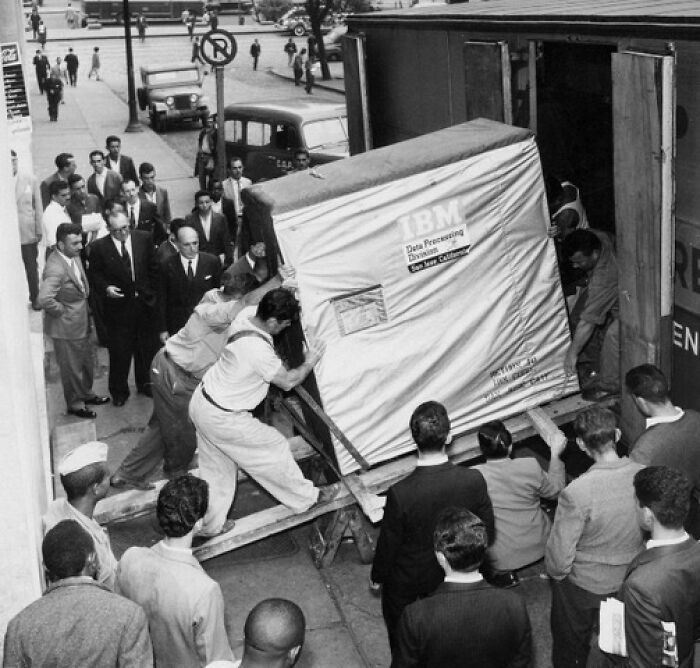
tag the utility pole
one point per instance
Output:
(134, 125)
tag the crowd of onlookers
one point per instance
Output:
(166, 293)
(451, 546)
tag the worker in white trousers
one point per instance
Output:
(228, 436)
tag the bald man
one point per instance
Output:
(274, 634)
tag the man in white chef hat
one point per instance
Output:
(85, 479)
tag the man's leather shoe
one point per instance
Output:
(146, 389)
(96, 401)
(118, 401)
(120, 482)
(204, 537)
(82, 413)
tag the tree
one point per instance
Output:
(318, 10)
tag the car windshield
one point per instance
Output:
(173, 77)
(326, 133)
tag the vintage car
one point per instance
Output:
(172, 93)
(297, 22)
(265, 134)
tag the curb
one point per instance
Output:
(98, 35)
(323, 85)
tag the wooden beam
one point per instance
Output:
(279, 518)
(135, 503)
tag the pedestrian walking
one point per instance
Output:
(72, 63)
(290, 48)
(41, 32)
(299, 67)
(141, 25)
(309, 66)
(190, 22)
(95, 64)
(313, 47)
(34, 21)
(197, 56)
(41, 67)
(54, 93)
(70, 17)
(255, 53)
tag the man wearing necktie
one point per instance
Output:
(210, 226)
(233, 186)
(123, 269)
(64, 297)
(142, 214)
(183, 280)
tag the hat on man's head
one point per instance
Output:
(93, 452)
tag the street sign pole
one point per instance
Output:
(220, 136)
(218, 48)
(134, 125)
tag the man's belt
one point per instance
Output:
(213, 403)
(178, 367)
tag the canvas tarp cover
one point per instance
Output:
(439, 285)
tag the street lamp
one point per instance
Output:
(134, 125)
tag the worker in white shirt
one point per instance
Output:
(228, 436)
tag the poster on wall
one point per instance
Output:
(18, 119)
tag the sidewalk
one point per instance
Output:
(92, 112)
(335, 85)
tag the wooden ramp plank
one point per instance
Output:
(134, 503)
(274, 520)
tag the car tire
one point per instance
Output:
(299, 30)
(156, 123)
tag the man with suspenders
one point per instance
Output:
(228, 436)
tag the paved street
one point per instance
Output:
(242, 84)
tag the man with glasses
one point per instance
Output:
(123, 271)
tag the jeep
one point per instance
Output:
(172, 93)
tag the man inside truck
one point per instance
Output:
(592, 251)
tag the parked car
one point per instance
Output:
(172, 93)
(265, 134)
(333, 43)
(297, 22)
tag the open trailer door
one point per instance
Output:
(355, 69)
(644, 154)
(487, 82)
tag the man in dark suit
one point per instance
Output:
(104, 183)
(253, 263)
(404, 561)
(169, 247)
(123, 269)
(210, 226)
(662, 584)
(182, 282)
(225, 206)
(65, 166)
(465, 621)
(64, 297)
(154, 193)
(117, 161)
(142, 215)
